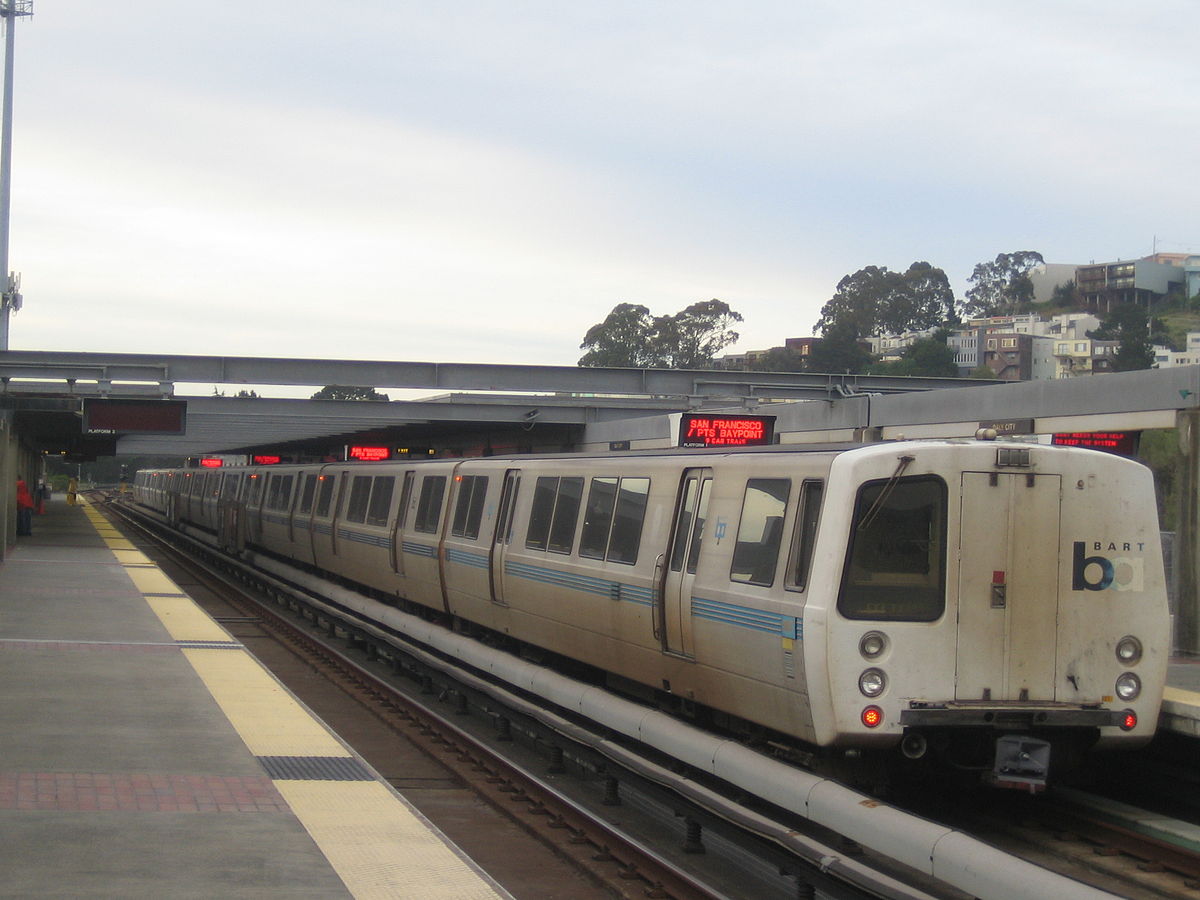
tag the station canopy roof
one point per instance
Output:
(50, 393)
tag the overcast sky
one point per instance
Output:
(482, 181)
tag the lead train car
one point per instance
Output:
(997, 604)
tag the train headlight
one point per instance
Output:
(872, 682)
(1128, 686)
(1129, 650)
(873, 644)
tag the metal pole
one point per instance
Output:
(9, 10)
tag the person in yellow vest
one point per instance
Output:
(72, 490)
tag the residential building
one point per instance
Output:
(1083, 356)
(1103, 285)
(1166, 358)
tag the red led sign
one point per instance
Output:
(265, 460)
(700, 430)
(1123, 442)
(211, 462)
(368, 454)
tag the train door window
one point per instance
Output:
(381, 499)
(760, 531)
(468, 511)
(325, 494)
(284, 498)
(689, 524)
(626, 535)
(805, 535)
(597, 518)
(896, 562)
(307, 494)
(683, 523)
(698, 525)
(254, 490)
(429, 507)
(566, 515)
(541, 514)
(360, 495)
(405, 499)
(508, 503)
(229, 487)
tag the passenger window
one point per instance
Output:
(566, 514)
(360, 495)
(597, 518)
(429, 507)
(307, 494)
(805, 534)
(612, 521)
(760, 531)
(381, 499)
(896, 562)
(229, 487)
(542, 513)
(468, 511)
(325, 494)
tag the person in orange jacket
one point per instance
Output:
(24, 509)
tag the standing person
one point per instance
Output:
(24, 509)
(72, 490)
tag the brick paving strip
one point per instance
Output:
(138, 792)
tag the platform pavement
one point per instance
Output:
(142, 750)
(1181, 699)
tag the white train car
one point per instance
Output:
(996, 605)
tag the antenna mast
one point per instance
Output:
(10, 296)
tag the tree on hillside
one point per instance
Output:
(1129, 324)
(689, 339)
(875, 300)
(839, 350)
(348, 392)
(623, 339)
(1003, 286)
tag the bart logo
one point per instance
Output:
(1099, 573)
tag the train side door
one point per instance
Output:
(340, 492)
(691, 512)
(1008, 586)
(503, 534)
(401, 521)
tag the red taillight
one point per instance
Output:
(872, 716)
(1129, 720)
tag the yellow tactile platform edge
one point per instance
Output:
(379, 846)
(361, 827)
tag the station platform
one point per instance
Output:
(1181, 699)
(145, 753)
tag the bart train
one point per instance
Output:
(994, 605)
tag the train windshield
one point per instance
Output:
(896, 564)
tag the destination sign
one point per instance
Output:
(704, 430)
(368, 454)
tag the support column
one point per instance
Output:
(8, 484)
(1187, 533)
